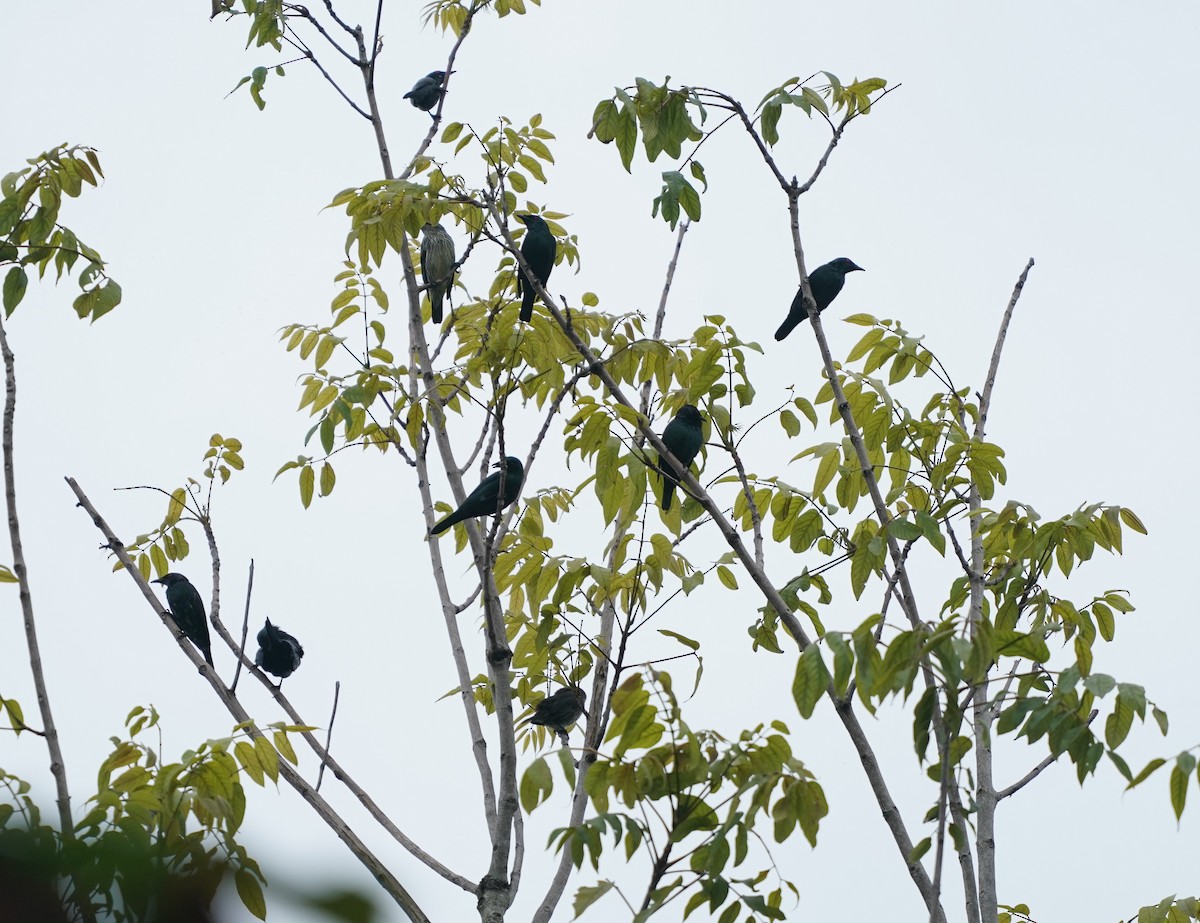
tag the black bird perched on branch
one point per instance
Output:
(490, 496)
(559, 711)
(437, 265)
(427, 91)
(539, 249)
(826, 281)
(684, 436)
(278, 652)
(187, 609)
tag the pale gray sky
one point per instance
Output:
(1058, 131)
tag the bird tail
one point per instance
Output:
(669, 483)
(435, 307)
(444, 524)
(527, 304)
(788, 326)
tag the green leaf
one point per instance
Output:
(585, 897)
(626, 135)
(904, 530)
(1130, 519)
(250, 891)
(1178, 786)
(685, 641)
(307, 479)
(770, 122)
(1147, 771)
(810, 681)
(726, 577)
(536, 784)
(15, 283)
(7, 576)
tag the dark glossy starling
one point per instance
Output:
(437, 265)
(539, 249)
(187, 608)
(487, 498)
(427, 91)
(684, 436)
(278, 652)
(559, 711)
(826, 281)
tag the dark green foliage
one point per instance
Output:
(539, 249)
(826, 281)
(437, 266)
(187, 608)
(488, 497)
(278, 652)
(684, 436)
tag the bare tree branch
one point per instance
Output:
(49, 732)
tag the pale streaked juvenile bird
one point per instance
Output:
(437, 265)
(825, 281)
(187, 609)
(278, 652)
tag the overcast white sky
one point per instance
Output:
(1059, 131)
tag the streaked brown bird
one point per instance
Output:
(437, 266)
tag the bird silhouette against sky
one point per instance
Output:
(427, 91)
(825, 281)
(278, 652)
(490, 496)
(187, 609)
(539, 249)
(684, 436)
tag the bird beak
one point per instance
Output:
(859, 268)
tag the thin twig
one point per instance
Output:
(985, 399)
(337, 691)
(1037, 770)
(237, 672)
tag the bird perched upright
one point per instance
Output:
(187, 609)
(684, 436)
(539, 249)
(490, 496)
(559, 711)
(427, 91)
(278, 652)
(825, 281)
(437, 265)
